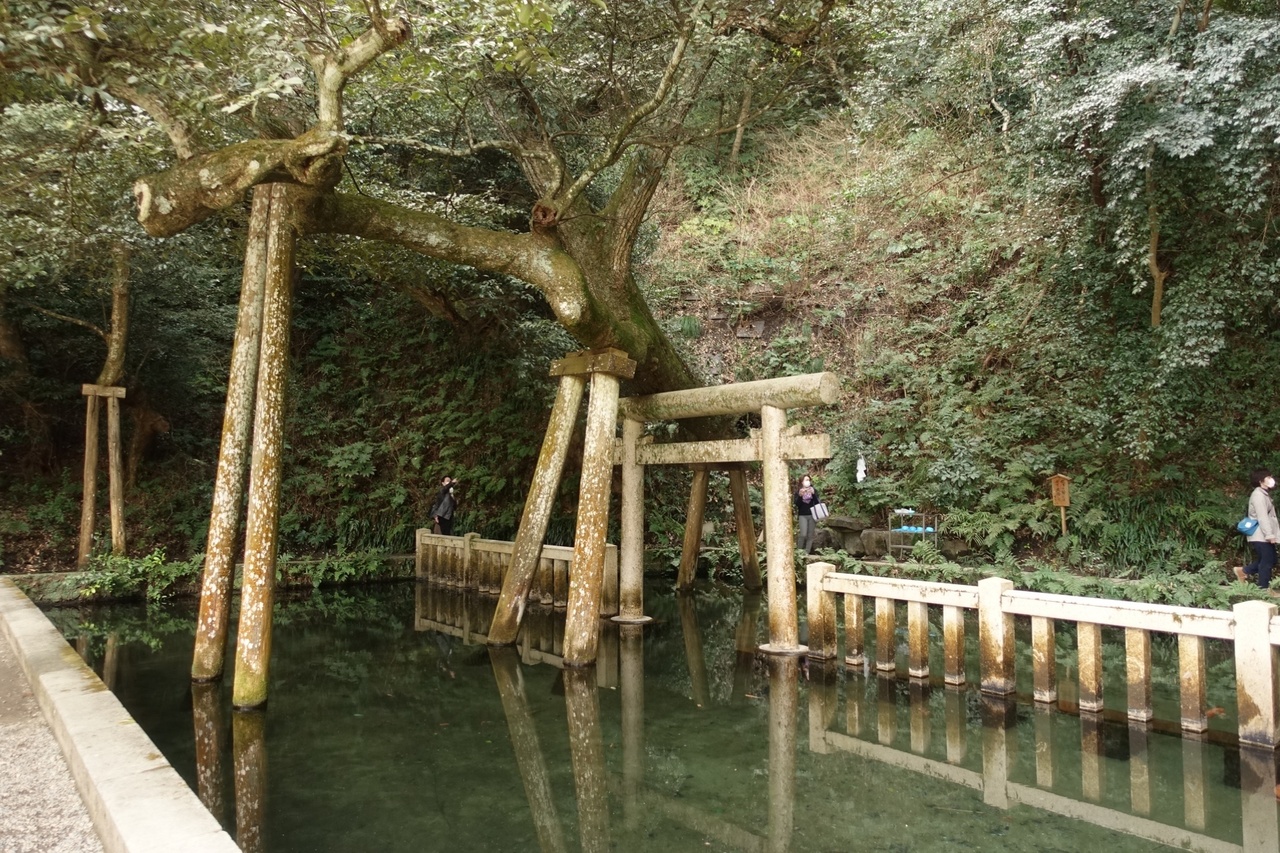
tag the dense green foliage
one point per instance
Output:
(967, 214)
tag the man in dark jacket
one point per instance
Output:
(442, 510)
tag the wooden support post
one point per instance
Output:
(1137, 646)
(88, 506)
(746, 529)
(237, 417)
(1256, 674)
(253, 639)
(995, 637)
(537, 511)
(631, 546)
(744, 643)
(528, 751)
(1191, 683)
(1044, 659)
(821, 613)
(1089, 649)
(115, 476)
(586, 754)
(582, 623)
(784, 631)
(693, 529)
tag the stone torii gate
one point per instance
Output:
(773, 445)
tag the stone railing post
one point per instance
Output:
(1256, 674)
(822, 613)
(995, 637)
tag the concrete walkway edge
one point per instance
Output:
(137, 801)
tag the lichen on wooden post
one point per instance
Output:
(88, 507)
(586, 577)
(692, 545)
(631, 546)
(537, 511)
(115, 476)
(917, 639)
(253, 641)
(249, 760)
(1137, 646)
(886, 635)
(586, 754)
(784, 702)
(1044, 659)
(1191, 683)
(746, 529)
(784, 631)
(228, 491)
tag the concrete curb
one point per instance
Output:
(137, 801)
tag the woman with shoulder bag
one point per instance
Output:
(1265, 536)
(805, 498)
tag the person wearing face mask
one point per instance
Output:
(1264, 538)
(804, 498)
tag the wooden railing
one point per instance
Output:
(469, 562)
(1252, 627)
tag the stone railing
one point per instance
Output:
(469, 562)
(1252, 627)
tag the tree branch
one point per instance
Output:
(64, 318)
(175, 128)
(618, 143)
(333, 70)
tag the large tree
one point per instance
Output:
(384, 117)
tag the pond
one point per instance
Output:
(392, 727)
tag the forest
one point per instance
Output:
(1031, 238)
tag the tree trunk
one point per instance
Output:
(118, 336)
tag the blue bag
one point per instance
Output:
(1247, 525)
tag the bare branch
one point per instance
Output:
(469, 150)
(64, 318)
(333, 70)
(175, 128)
(618, 144)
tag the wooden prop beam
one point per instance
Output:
(692, 545)
(537, 511)
(115, 474)
(582, 622)
(253, 638)
(788, 392)
(89, 504)
(606, 360)
(746, 530)
(208, 657)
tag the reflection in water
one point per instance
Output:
(784, 700)
(586, 751)
(529, 756)
(207, 715)
(480, 749)
(249, 750)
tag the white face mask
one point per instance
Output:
(1269, 483)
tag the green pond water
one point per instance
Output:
(392, 727)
